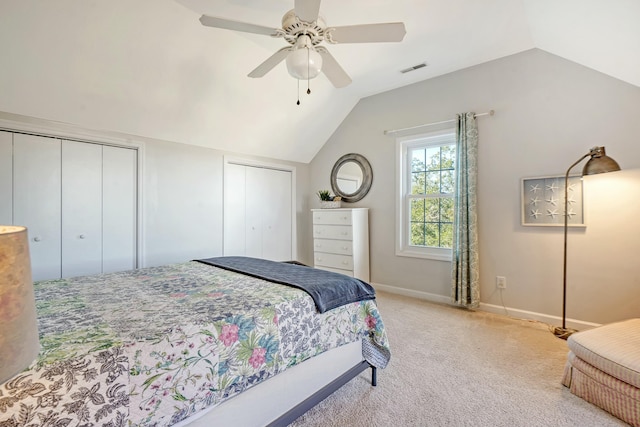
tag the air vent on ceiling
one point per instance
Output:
(415, 67)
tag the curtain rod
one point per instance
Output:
(386, 132)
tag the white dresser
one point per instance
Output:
(341, 241)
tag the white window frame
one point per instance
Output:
(403, 188)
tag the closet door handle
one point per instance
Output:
(82, 236)
(36, 239)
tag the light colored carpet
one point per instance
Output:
(453, 367)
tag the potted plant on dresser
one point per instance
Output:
(327, 201)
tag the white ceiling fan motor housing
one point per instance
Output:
(294, 27)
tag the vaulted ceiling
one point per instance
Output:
(149, 68)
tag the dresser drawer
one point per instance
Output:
(341, 247)
(332, 217)
(342, 232)
(344, 262)
(336, 270)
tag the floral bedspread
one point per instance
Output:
(151, 347)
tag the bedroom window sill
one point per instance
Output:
(426, 253)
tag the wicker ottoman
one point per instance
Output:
(603, 367)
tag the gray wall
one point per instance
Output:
(549, 112)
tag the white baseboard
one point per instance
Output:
(490, 308)
(411, 293)
(540, 317)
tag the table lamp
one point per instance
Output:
(19, 343)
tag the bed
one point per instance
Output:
(192, 344)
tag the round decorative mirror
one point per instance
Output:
(351, 177)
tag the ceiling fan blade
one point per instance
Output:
(271, 62)
(334, 72)
(367, 33)
(307, 10)
(227, 24)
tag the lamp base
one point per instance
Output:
(563, 333)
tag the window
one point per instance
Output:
(426, 177)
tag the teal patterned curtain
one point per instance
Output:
(465, 287)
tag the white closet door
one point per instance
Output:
(234, 210)
(119, 216)
(81, 209)
(6, 178)
(257, 193)
(276, 215)
(36, 201)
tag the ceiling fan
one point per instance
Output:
(304, 29)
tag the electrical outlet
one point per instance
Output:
(501, 282)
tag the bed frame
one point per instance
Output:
(282, 399)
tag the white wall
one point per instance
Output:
(148, 67)
(549, 112)
(182, 203)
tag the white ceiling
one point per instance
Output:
(150, 68)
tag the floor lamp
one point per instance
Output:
(598, 163)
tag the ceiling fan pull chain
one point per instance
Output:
(298, 103)
(308, 59)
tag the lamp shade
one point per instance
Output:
(304, 62)
(599, 162)
(19, 343)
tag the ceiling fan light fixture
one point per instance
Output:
(304, 63)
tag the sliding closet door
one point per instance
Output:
(6, 178)
(81, 209)
(36, 200)
(276, 220)
(257, 212)
(119, 215)
(257, 203)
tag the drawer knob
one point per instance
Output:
(82, 236)
(36, 239)
(344, 233)
(345, 262)
(345, 248)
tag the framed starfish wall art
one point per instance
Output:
(543, 201)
